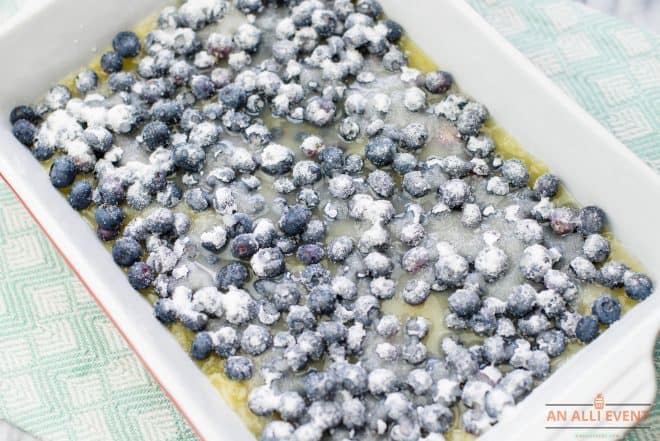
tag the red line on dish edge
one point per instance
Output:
(106, 311)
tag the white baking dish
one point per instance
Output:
(47, 42)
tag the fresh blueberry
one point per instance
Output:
(238, 223)
(295, 220)
(239, 368)
(106, 235)
(126, 251)
(319, 385)
(168, 111)
(111, 62)
(553, 342)
(155, 134)
(24, 131)
(380, 151)
(112, 191)
(299, 319)
(256, 340)
(160, 221)
(126, 44)
(227, 342)
(189, 157)
(394, 31)
(515, 172)
(202, 87)
(121, 81)
(43, 151)
(62, 172)
(587, 328)
(109, 217)
(202, 346)
(637, 286)
(98, 138)
(232, 96)
(546, 186)
(521, 301)
(464, 302)
(164, 311)
(332, 159)
(244, 246)
(234, 273)
(86, 81)
(140, 275)
(310, 253)
(372, 8)
(80, 196)
(23, 112)
(606, 308)
(321, 299)
(591, 220)
(438, 81)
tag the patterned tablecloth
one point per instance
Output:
(65, 372)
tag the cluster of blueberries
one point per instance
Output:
(194, 109)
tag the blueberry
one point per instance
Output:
(552, 342)
(234, 273)
(315, 231)
(606, 308)
(121, 81)
(168, 111)
(332, 159)
(62, 172)
(86, 81)
(416, 292)
(80, 196)
(244, 246)
(43, 151)
(190, 118)
(24, 131)
(140, 275)
(596, 248)
(277, 431)
(591, 220)
(197, 199)
(164, 311)
(514, 171)
(23, 112)
(612, 274)
(394, 30)
(160, 221)
(319, 111)
(637, 286)
(546, 186)
(227, 342)
(331, 332)
(112, 191)
(155, 134)
(372, 8)
(521, 301)
(111, 62)
(202, 346)
(380, 151)
(321, 299)
(238, 223)
(299, 319)
(295, 220)
(464, 302)
(109, 217)
(126, 251)
(238, 368)
(339, 248)
(309, 254)
(232, 96)
(587, 328)
(106, 235)
(256, 340)
(353, 164)
(126, 44)
(319, 385)
(98, 138)
(202, 87)
(189, 157)
(438, 81)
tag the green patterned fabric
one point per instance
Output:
(66, 373)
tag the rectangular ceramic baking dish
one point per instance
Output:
(50, 40)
